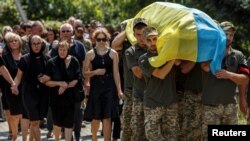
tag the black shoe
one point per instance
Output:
(49, 134)
(62, 135)
(2, 120)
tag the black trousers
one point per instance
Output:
(78, 120)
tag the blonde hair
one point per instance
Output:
(10, 36)
(63, 43)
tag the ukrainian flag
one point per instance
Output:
(185, 33)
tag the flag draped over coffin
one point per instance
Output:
(184, 33)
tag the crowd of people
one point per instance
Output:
(81, 73)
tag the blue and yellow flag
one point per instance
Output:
(185, 33)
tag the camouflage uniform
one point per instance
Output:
(137, 120)
(127, 106)
(218, 95)
(160, 106)
(192, 109)
(192, 114)
(212, 115)
(126, 115)
(161, 123)
(180, 82)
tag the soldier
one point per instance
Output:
(132, 55)
(121, 43)
(192, 108)
(218, 94)
(160, 106)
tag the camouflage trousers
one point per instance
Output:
(137, 121)
(126, 115)
(180, 102)
(217, 115)
(192, 116)
(161, 123)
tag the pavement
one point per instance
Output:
(85, 133)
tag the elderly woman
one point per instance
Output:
(12, 55)
(101, 66)
(64, 73)
(34, 92)
(5, 75)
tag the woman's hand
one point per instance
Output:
(99, 71)
(14, 89)
(62, 87)
(43, 79)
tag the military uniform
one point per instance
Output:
(160, 106)
(219, 94)
(137, 120)
(192, 109)
(127, 106)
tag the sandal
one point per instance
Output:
(10, 136)
(49, 134)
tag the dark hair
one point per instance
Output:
(103, 31)
(140, 26)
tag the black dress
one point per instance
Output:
(62, 106)
(102, 97)
(14, 101)
(35, 94)
(3, 97)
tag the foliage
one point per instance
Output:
(110, 11)
(235, 11)
(115, 11)
(8, 13)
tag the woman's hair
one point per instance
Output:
(32, 37)
(101, 30)
(13, 36)
(63, 43)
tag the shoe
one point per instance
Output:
(102, 133)
(83, 125)
(10, 136)
(62, 135)
(49, 134)
(2, 120)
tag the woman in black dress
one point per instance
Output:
(12, 55)
(64, 73)
(101, 66)
(5, 76)
(34, 92)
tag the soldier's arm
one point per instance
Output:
(162, 72)
(117, 42)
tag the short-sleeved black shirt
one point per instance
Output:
(158, 92)
(132, 55)
(222, 91)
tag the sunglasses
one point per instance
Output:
(63, 31)
(101, 39)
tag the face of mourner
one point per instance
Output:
(101, 40)
(36, 45)
(151, 42)
(230, 36)
(66, 33)
(14, 44)
(63, 51)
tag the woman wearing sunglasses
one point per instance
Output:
(101, 68)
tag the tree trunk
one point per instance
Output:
(21, 11)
